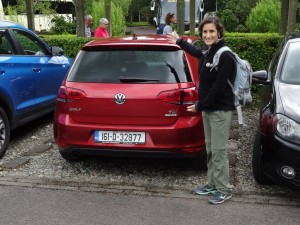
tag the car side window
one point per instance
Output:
(273, 65)
(5, 46)
(30, 44)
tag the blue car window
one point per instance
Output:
(5, 46)
(30, 44)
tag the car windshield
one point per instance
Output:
(131, 67)
(291, 66)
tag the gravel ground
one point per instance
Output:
(33, 154)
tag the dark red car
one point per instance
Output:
(127, 96)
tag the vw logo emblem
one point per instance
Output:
(120, 98)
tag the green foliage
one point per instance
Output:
(137, 24)
(257, 48)
(61, 26)
(241, 28)
(241, 8)
(118, 21)
(124, 5)
(117, 16)
(265, 17)
(40, 7)
(229, 20)
(12, 12)
(70, 44)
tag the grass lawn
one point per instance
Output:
(137, 24)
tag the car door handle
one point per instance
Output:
(36, 70)
(2, 72)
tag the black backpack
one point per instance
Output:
(160, 29)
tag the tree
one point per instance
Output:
(119, 10)
(284, 16)
(229, 20)
(264, 17)
(192, 17)
(241, 8)
(180, 16)
(79, 11)
(30, 15)
(292, 13)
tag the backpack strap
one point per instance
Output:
(217, 56)
(214, 64)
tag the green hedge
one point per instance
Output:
(256, 48)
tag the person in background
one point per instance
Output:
(216, 103)
(101, 31)
(170, 18)
(88, 21)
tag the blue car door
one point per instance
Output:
(16, 83)
(47, 71)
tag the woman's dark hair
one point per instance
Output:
(168, 18)
(216, 21)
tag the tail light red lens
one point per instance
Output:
(66, 94)
(179, 96)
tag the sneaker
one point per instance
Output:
(219, 198)
(205, 190)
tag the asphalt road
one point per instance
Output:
(38, 206)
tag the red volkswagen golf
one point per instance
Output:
(127, 96)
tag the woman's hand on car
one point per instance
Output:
(172, 38)
(191, 108)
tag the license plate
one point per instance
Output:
(121, 137)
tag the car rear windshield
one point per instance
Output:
(291, 66)
(130, 66)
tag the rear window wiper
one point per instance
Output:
(136, 79)
(173, 71)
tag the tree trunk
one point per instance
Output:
(180, 16)
(292, 13)
(30, 15)
(108, 15)
(284, 16)
(192, 17)
(79, 12)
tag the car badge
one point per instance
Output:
(171, 113)
(120, 98)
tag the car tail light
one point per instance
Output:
(179, 96)
(66, 94)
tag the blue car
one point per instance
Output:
(31, 73)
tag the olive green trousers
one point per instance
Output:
(216, 129)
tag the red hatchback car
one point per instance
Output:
(127, 96)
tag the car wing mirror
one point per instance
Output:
(56, 51)
(260, 77)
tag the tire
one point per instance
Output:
(72, 157)
(4, 132)
(257, 162)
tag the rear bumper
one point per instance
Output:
(133, 152)
(185, 138)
